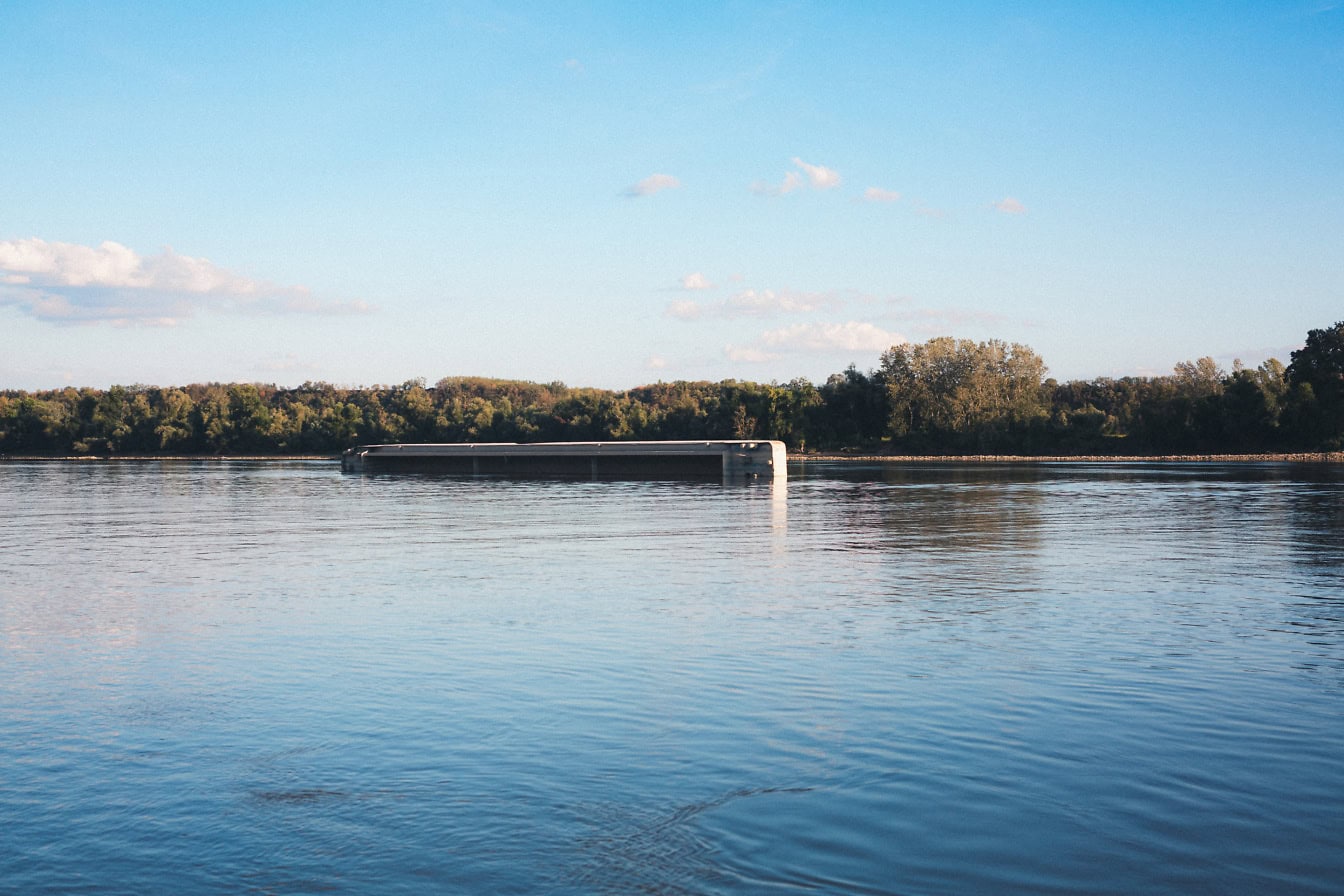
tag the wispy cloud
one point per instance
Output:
(684, 309)
(819, 177)
(816, 338)
(696, 281)
(1009, 206)
(877, 194)
(111, 283)
(656, 362)
(850, 336)
(573, 65)
(654, 183)
(792, 181)
(822, 178)
(757, 303)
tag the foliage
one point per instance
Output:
(1316, 378)
(944, 396)
(960, 394)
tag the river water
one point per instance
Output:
(270, 677)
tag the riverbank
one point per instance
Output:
(1318, 457)
(28, 458)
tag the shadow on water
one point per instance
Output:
(1315, 535)
(716, 481)
(1317, 530)
(980, 525)
(917, 472)
(656, 850)
(300, 796)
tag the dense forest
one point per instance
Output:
(945, 396)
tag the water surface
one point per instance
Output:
(270, 677)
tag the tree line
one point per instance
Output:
(944, 396)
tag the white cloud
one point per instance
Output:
(822, 178)
(1009, 206)
(111, 283)
(756, 303)
(573, 65)
(696, 281)
(850, 336)
(767, 301)
(877, 194)
(816, 338)
(657, 362)
(654, 183)
(114, 265)
(818, 176)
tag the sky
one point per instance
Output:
(614, 194)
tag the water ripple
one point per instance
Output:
(269, 677)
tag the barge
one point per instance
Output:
(714, 459)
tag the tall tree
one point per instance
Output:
(956, 393)
(854, 410)
(1316, 377)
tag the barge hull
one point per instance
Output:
(705, 460)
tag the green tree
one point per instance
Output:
(413, 403)
(958, 393)
(1318, 413)
(24, 425)
(1251, 403)
(249, 418)
(112, 424)
(214, 422)
(339, 424)
(855, 410)
(172, 424)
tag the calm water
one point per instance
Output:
(274, 678)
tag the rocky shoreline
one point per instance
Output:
(173, 457)
(1316, 457)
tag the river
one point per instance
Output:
(271, 677)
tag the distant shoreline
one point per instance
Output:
(1314, 457)
(89, 458)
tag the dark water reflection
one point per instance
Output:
(272, 678)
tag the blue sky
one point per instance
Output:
(612, 194)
